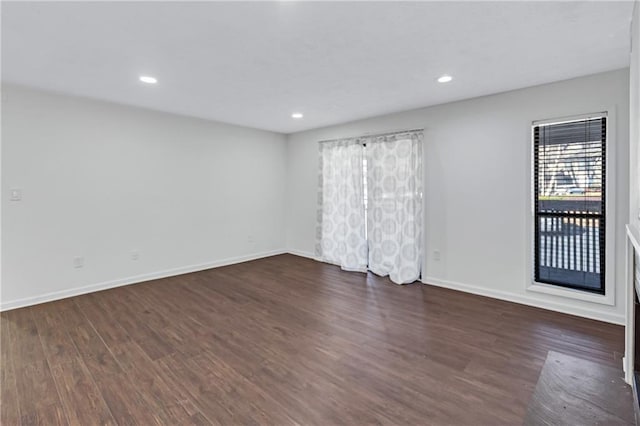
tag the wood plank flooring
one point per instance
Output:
(283, 340)
(570, 391)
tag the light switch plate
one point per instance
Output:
(16, 194)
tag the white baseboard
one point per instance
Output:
(302, 254)
(526, 300)
(63, 294)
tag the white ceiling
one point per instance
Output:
(254, 64)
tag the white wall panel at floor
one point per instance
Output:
(101, 180)
(477, 184)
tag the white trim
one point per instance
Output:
(526, 300)
(603, 299)
(632, 246)
(302, 253)
(609, 298)
(63, 294)
(633, 234)
(569, 119)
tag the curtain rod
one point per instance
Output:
(367, 135)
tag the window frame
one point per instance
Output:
(608, 298)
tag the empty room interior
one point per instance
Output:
(320, 213)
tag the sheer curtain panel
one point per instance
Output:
(341, 232)
(394, 213)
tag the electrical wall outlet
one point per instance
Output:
(78, 262)
(135, 255)
(436, 255)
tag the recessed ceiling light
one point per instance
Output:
(148, 79)
(297, 115)
(445, 79)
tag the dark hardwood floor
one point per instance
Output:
(284, 340)
(574, 391)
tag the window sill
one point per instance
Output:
(603, 299)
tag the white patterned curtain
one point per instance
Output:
(341, 235)
(394, 186)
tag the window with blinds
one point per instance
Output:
(569, 203)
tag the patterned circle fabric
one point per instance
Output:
(341, 215)
(377, 226)
(394, 206)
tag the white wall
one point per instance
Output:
(634, 106)
(634, 184)
(100, 180)
(477, 166)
